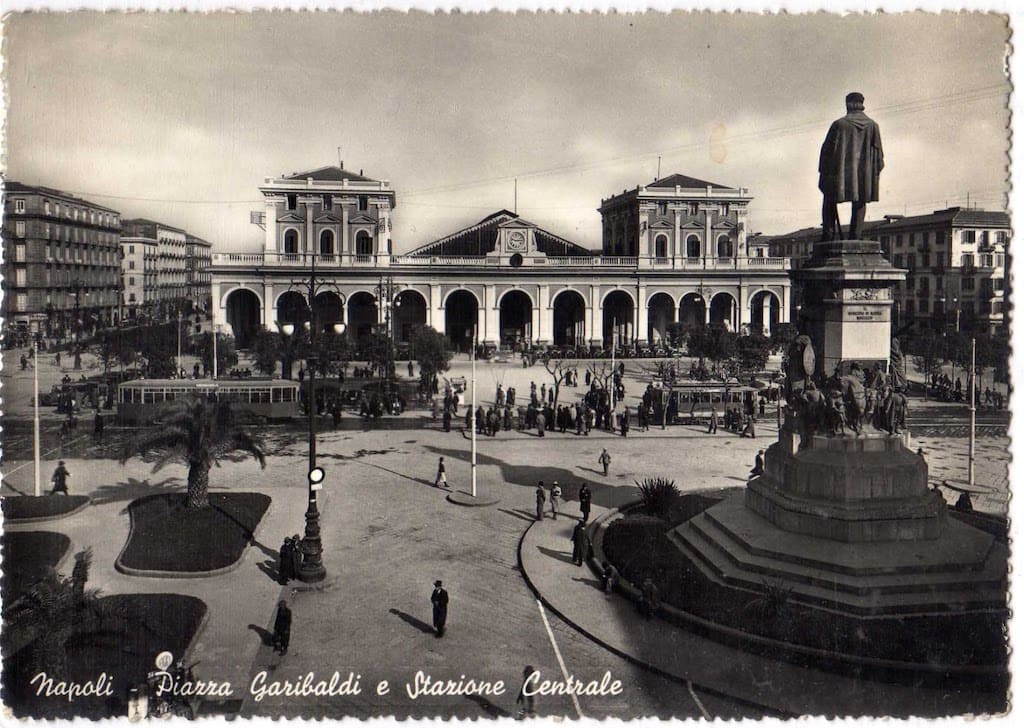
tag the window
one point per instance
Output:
(724, 246)
(19, 206)
(57, 208)
(131, 265)
(19, 253)
(131, 299)
(364, 203)
(662, 208)
(694, 208)
(723, 209)
(1000, 237)
(131, 280)
(19, 228)
(291, 242)
(661, 246)
(364, 244)
(967, 284)
(326, 243)
(983, 240)
(967, 260)
(693, 247)
(967, 237)
(46, 207)
(20, 277)
(899, 240)
(997, 284)
(897, 260)
(131, 249)
(291, 202)
(21, 302)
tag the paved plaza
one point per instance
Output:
(388, 534)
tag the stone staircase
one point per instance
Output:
(964, 570)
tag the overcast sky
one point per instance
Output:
(179, 117)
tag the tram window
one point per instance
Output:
(147, 396)
(289, 395)
(262, 396)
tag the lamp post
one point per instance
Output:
(312, 568)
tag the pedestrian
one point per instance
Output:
(410, 369)
(60, 479)
(285, 572)
(56, 359)
(541, 421)
(605, 459)
(556, 497)
(439, 600)
(580, 543)
(585, 497)
(624, 422)
(608, 577)
(748, 428)
(195, 370)
(446, 420)
(713, 421)
(24, 362)
(527, 699)
(541, 498)
(758, 468)
(282, 628)
(296, 555)
(442, 476)
(97, 427)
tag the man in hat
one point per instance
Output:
(439, 599)
(849, 166)
(541, 497)
(585, 499)
(758, 468)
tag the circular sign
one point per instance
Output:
(164, 660)
(316, 475)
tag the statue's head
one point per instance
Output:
(855, 101)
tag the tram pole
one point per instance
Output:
(472, 467)
(970, 444)
(312, 568)
(35, 418)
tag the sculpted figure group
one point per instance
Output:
(844, 402)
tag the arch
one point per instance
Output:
(460, 317)
(569, 312)
(291, 308)
(515, 318)
(661, 246)
(291, 242)
(661, 313)
(408, 314)
(617, 325)
(765, 312)
(330, 309)
(224, 296)
(692, 310)
(447, 296)
(326, 242)
(362, 316)
(243, 314)
(724, 246)
(364, 243)
(692, 246)
(723, 310)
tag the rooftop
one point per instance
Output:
(12, 186)
(480, 239)
(328, 174)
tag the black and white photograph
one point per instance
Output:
(543, 366)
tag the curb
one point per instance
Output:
(8, 521)
(770, 711)
(787, 651)
(120, 566)
(462, 498)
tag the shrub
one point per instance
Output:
(659, 496)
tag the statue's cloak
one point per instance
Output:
(851, 159)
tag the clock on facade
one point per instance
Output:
(517, 241)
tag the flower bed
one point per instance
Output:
(167, 538)
(26, 556)
(28, 508)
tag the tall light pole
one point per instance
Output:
(970, 384)
(35, 418)
(472, 466)
(312, 569)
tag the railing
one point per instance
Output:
(302, 260)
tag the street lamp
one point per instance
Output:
(312, 568)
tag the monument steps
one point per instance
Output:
(724, 560)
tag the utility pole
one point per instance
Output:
(472, 467)
(35, 418)
(970, 444)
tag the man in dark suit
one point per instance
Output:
(282, 627)
(585, 499)
(439, 598)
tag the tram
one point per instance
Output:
(138, 400)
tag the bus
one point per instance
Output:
(269, 399)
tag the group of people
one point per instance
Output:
(554, 497)
(289, 559)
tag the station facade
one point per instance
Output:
(673, 250)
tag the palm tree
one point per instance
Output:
(56, 608)
(200, 433)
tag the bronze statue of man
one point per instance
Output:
(848, 169)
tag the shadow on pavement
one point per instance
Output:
(519, 514)
(266, 636)
(414, 621)
(560, 555)
(489, 708)
(131, 489)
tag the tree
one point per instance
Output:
(266, 350)
(712, 341)
(432, 353)
(157, 346)
(677, 333)
(557, 369)
(107, 347)
(927, 349)
(783, 335)
(202, 347)
(752, 352)
(333, 352)
(199, 434)
(59, 607)
(380, 354)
